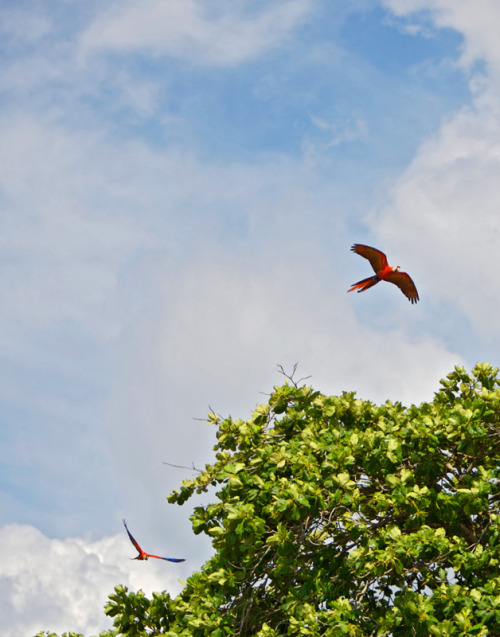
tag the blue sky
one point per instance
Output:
(181, 183)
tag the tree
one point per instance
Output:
(335, 516)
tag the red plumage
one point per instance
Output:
(383, 272)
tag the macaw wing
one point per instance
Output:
(168, 559)
(132, 538)
(377, 259)
(405, 284)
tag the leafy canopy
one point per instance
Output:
(335, 516)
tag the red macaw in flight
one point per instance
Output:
(144, 556)
(383, 272)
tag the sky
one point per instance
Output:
(180, 185)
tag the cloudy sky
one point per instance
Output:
(180, 184)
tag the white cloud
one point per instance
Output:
(444, 215)
(478, 21)
(63, 585)
(444, 209)
(201, 32)
(204, 276)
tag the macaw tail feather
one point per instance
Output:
(363, 285)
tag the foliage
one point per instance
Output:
(335, 516)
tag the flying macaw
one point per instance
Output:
(144, 556)
(383, 272)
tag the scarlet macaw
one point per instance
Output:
(144, 556)
(383, 272)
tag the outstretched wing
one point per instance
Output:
(405, 284)
(168, 559)
(377, 259)
(132, 539)
(143, 555)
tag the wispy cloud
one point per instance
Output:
(478, 22)
(200, 32)
(329, 134)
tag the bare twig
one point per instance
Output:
(181, 466)
(290, 377)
